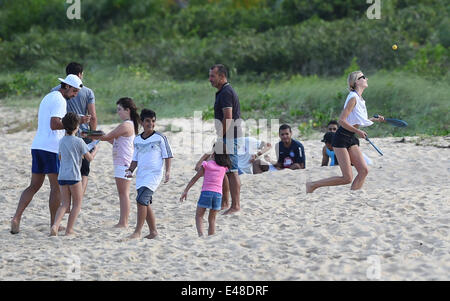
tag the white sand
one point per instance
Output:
(400, 220)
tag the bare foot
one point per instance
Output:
(224, 205)
(120, 226)
(231, 211)
(151, 235)
(15, 227)
(53, 231)
(135, 235)
(309, 187)
(70, 233)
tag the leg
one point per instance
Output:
(123, 188)
(358, 161)
(259, 167)
(212, 221)
(199, 220)
(141, 218)
(76, 192)
(343, 157)
(235, 190)
(54, 200)
(84, 182)
(151, 222)
(27, 195)
(225, 192)
(65, 196)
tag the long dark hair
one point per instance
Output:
(128, 103)
(221, 157)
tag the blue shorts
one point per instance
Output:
(144, 196)
(210, 200)
(67, 182)
(233, 153)
(44, 162)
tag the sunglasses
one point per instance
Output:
(332, 129)
(363, 77)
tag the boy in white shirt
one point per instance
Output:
(151, 151)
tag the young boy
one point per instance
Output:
(327, 150)
(151, 150)
(72, 150)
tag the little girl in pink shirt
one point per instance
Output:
(211, 195)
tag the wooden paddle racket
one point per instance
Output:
(93, 133)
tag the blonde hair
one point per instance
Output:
(351, 80)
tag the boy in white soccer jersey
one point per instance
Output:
(151, 150)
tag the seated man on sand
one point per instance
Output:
(290, 153)
(249, 149)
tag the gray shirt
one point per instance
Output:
(79, 103)
(71, 149)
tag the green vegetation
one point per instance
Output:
(288, 58)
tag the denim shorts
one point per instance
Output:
(210, 200)
(44, 162)
(233, 154)
(144, 196)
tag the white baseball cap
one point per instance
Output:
(73, 81)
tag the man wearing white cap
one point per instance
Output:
(45, 147)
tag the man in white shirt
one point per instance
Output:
(44, 149)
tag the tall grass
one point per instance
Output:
(309, 102)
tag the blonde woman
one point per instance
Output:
(345, 142)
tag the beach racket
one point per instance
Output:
(93, 133)
(374, 146)
(394, 121)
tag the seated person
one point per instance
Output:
(249, 149)
(332, 126)
(290, 153)
(327, 151)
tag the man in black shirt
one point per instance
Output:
(227, 114)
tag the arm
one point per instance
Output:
(90, 156)
(344, 114)
(167, 174)
(93, 114)
(325, 157)
(265, 147)
(199, 163)
(123, 129)
(227, 119)
(56, 124)
(131, 169)
(191, 183)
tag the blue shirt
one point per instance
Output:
(295, 153)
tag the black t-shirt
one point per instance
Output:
(295, 153)
(227, 98)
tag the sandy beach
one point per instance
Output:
(396, 228)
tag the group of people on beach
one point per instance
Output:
(65, 143)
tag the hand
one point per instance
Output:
(85, 119)
(167, 177)
(362, 134)
(253, 158)
(183, 196)
(128, 173)
(379, 118)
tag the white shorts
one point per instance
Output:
(119, 172)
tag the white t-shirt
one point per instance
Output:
(53, 105)
(149, 154)
(359, 113)
(247, 146)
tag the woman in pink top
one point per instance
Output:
(122, 140)
(211, 195)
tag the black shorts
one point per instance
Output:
(85, 164)
(344, 138)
